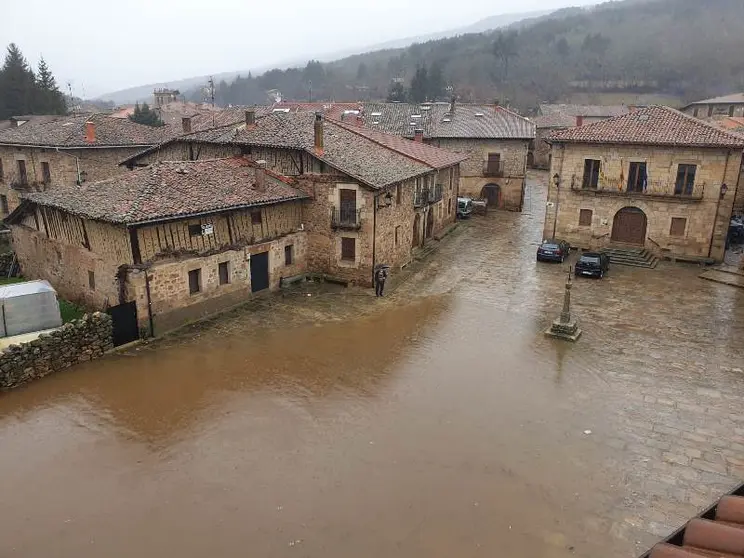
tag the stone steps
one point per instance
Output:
(632, 257)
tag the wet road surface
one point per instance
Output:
(436, 422)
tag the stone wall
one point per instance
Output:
(79, 341)
(472, 182)
(699, 240)
(541, 152)
(93, 164)
(705, 112)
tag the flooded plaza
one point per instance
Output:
(438, 421)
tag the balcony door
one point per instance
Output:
(348, 205)
(637, 177)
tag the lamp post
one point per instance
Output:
(557, 182)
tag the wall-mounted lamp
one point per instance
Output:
(724, 189)
(557, 180)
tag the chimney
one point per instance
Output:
(90, 132)
(260, 173)
(186, 124)
(452, 104)
(318, 132)
(359, 120)
(579, 121)
(418, 135)
(13, 123)
(250, 118)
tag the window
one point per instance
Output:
(22, 176)
(4, 203)
(637, 177)
(398, 194)
(92, 280)
(585, 217)
(288, 254)
(348, 249)
(397, 235)
(679, 224)
(591, 173)
(494, 163)
(685, 180)
(46, 173)
(195, 230)
(731, 110)
(223, 270)
(194, 281)
(255, 217)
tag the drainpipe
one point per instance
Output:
(149, 304)
(718, 208)
(374, 235)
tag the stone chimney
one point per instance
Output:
(418, 135)
(452, 104)
(13, 123)
(359, 120)
(90, 132)
(260, 173)
(186, 124)
(250, 118)
(579, 121)
(318, 132)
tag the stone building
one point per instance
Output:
(494, 139)
(552, 118)
(46, 154)
(182, 239)
(654, 178)
(717, 107)
(375, 197)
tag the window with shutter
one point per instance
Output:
(348, 249)
(585, 217)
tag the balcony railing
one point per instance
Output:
(652, 189)
(346, 218)
(493, 169)
(428, 195)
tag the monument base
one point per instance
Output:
(564, 330)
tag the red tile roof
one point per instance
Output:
(170, 190)
(652, 125)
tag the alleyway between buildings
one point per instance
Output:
(438, 421)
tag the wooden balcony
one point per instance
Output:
(650, 190)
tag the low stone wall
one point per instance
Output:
(79, 341)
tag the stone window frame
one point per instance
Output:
(195, 287)
(583, 212)
(92, 280)
(46, 172)
(22, 171)
(591, 185)
(289, 255)
(672, 221)
(224, 266)
(688, 163)
(349, 241)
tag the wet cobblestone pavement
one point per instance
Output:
(438, 421)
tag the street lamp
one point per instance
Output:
(557, 182)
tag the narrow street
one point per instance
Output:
(438, 421)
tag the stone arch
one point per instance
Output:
(492, 193)
(629, 226)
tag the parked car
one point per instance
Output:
(553, 251)
(464, 208)
(592, 264)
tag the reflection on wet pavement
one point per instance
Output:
(436, 422)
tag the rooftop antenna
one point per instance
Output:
(71, 101)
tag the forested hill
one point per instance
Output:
(688, 48)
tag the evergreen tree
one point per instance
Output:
(419, 85)
(435, 83)
(505, 48)
(17, 85)
(50, 98)
(145, 115)
(396, 93)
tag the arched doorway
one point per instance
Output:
(492, 193)
(629, 226)
(429, 222)
(416, 231)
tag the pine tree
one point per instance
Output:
(396, 93)
(145, 115)
(17, 85)
(50, 98)
(419, 85)
(435, 84)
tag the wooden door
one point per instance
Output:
(259, 272)
(629, 226)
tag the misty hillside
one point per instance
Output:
(685, 48)
(144, 92)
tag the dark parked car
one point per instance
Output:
(553, 251)
(592, 264)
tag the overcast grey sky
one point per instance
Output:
(102, 46)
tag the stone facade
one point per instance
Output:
(79, 341)
(715, 111)
(505, 190)
(541, 153)
(688, 227)
(65, 167)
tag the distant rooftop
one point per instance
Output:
(564, 115)
(733, 99)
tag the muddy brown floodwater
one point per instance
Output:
(436, 422)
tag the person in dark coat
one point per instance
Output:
(380, 277)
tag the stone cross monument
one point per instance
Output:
(564, 327)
